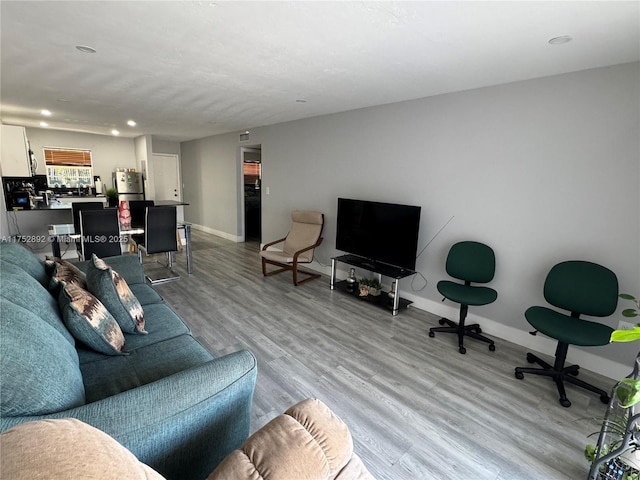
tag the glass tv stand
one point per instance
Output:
(394, 303)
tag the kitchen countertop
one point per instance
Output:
(64, 203)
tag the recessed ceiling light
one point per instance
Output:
(561, 40)
(44, 124)
(85, 49)
(63, 100)
(45, 112)
(301, 100)
(115, 132)
(131, 123)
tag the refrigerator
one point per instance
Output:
(130, 185)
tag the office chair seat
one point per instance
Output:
(568, 329)
(467, 294)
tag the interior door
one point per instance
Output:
(166, 177)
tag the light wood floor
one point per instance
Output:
(417, 409)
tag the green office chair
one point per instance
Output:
(470, 262)
(582, 288)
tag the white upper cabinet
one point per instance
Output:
(15, 152)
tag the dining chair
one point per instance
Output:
(76, 208)
(137, 209)
(160, 236)
(99, 233)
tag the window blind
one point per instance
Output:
(67, 157)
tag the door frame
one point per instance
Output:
(241, 214)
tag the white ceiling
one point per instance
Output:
(187, 70)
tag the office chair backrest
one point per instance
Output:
(160, 231)
(76, 207)
(582, 287)
(471, 261)
(100, 233)
(137, 209)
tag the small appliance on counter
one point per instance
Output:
(18, 193)
(97, 182)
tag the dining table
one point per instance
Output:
(65, 232)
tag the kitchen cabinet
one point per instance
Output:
(15, 152)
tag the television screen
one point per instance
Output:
(381, 232)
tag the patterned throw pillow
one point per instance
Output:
(112, 290)
(63, 271)
(89, 321)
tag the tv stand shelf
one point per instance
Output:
(382, 269)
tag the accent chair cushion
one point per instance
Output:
(39, 368)
(65, 449)
(112, 290)
(89, 321)
(305, 230)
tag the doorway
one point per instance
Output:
(252, 182)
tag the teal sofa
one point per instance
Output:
(172, 403)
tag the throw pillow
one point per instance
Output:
(64, 271)
(112, 290)
(89, 321)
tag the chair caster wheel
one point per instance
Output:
(519, 375)
(431, 334)
(530, 358)
(442, 321)
(565, 402)
(462, 350)
(605, 398)
(492, 347)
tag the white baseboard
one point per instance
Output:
(537, 343)
(217, 233)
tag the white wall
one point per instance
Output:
(107, 152)
(542, 170)
(210, 173)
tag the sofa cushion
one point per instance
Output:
(109, 376)
(146, 295)
(89, 321)
(39, 370)
(63, 271)
(18, 287)
(112, 290)
(19, 255)
(65, 449)
(162, 325)
(127, 265)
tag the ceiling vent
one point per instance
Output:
(244, 136)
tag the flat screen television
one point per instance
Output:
(380, 232)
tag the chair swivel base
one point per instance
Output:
(560, 374)
(462, 330)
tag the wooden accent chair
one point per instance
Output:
(299, 244)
